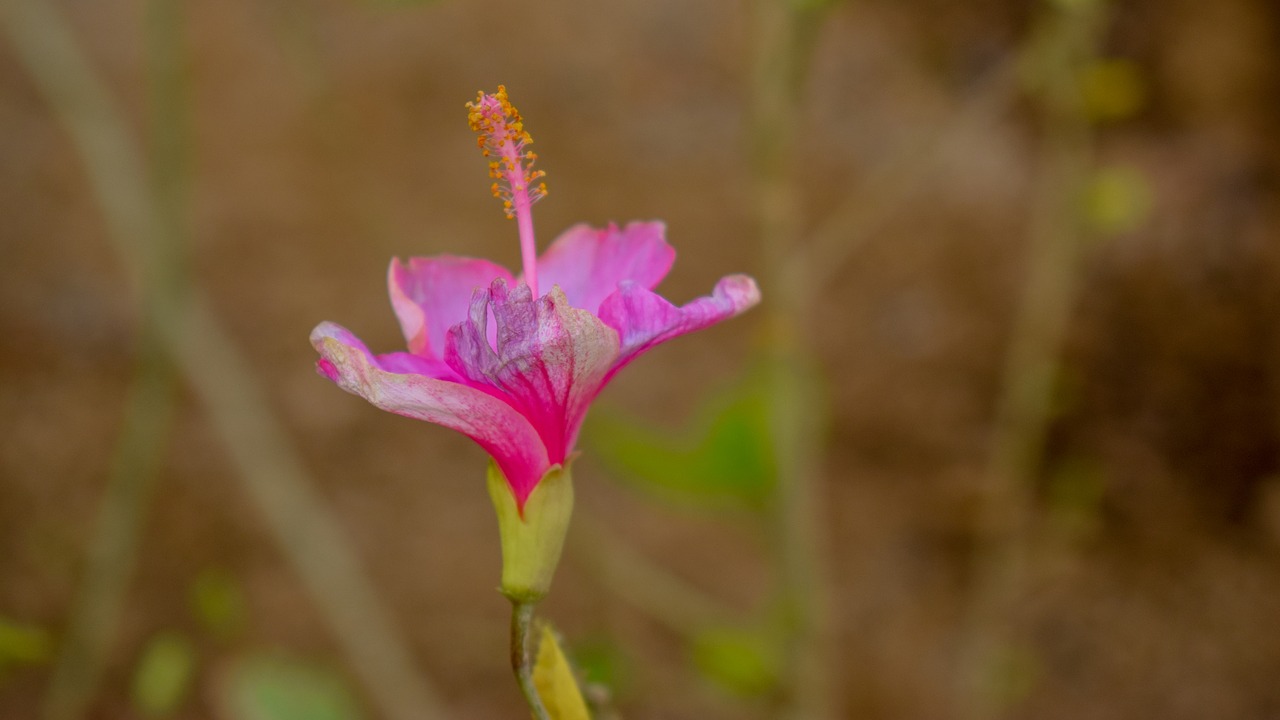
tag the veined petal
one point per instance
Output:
(498, 428)
(431, 295)
(589, 263)
(644, 319)
(549, 361)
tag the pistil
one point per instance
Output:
(503, 139)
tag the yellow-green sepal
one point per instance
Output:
(532, 541)
(554, 678)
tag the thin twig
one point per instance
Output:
(112, 553)
(223, 380)
(1058, 238)
(645, 585)
(899, 181)
(784, 34)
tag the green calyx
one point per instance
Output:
(531, 543)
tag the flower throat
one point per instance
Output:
(504, 141)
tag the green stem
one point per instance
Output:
(522, 656)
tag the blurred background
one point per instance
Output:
(1003, 439)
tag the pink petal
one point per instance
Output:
(550, 358)
(432, 295)
(588, 264)
(644, 319)
(495, 425)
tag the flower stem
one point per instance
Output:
(522, 656)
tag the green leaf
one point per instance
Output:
(406, 4)
(740, 660)
(264, 687)
(163, 675)
(22, 644)
(1113, 89)
(1077, 489)
(1012, 674)
(1079, 6)
(218, 603)
(602, 662)
(1118, 200)
(725, 459)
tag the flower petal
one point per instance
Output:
(432, 295)
(550, 359)
(588, 263)
(644, 319)
(495, 425)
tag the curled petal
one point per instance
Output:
(493, 424)
(644, 319)
(549, 361)
(588, 263)
(431, 295)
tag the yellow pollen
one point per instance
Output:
(502, 139)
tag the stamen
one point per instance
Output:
(502, 136)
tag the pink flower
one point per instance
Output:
(514, 371)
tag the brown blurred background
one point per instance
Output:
(320, 139)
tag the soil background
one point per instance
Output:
(329, 136)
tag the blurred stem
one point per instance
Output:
(222, 378)
(112, 552)
(1033, 364)
(783, 39)
(522, 656)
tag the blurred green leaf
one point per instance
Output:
(1113, 89)
(218, 603)
(1077, 488)
(1118, 200)
(742, 661)
(22, 644)
(724, 459)
(812, 5)
(264, 687)
(1012, 675)
(1078, 6)
(396, 3)
(163, 675)
(602, 662)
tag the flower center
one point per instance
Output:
(503, 139)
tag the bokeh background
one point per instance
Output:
(1003, 439)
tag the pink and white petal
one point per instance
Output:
(430, 295)
(407, 363)
(550, 359)
(589, 263)
(498, 428)
(645, 319)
